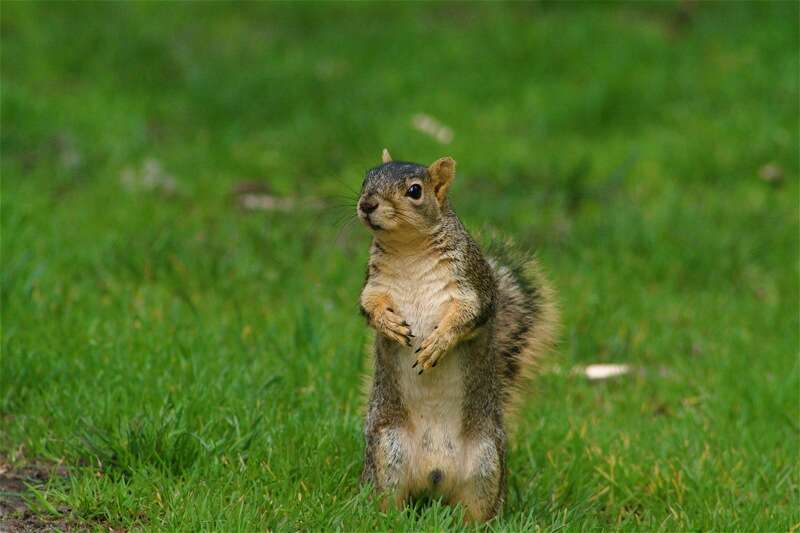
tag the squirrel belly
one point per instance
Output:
(432, 430)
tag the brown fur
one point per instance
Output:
(458, 335)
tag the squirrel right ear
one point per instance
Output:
(442, 172)
(385, 156)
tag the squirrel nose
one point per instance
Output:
(367, 207)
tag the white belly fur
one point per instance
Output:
(434, 398)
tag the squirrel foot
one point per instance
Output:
(392, 325)
(431, 350)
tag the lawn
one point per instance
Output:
(181, 342)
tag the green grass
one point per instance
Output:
(196, 366)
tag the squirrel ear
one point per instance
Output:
(385, 156)
(442, 172)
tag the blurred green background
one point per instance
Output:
(181, 265)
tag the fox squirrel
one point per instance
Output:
(458, 332)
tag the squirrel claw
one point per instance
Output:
(415, 364)
(420, 371)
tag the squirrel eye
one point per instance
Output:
(414, 192)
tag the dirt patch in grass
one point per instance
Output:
(15, 514)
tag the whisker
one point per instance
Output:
(402, 217)
(340, 197)
(342, 219)
(340, 207)
(347, 187)
(345, 227)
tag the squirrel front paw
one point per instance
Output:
(392, 325)
(431, 350)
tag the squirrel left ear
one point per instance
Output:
(442, 172)
(385, 156)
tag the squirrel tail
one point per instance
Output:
(527, 322)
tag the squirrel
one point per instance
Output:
(457, 335)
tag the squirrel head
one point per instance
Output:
(401, 200)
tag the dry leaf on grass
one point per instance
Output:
(604, 371)
(150, 177)
(771, 173)
(266, 202)
(256, 196)
(430, 126)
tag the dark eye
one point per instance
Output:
(414, 192)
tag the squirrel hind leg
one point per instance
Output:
(384, 466)
(483, 491)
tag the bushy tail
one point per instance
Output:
(527, 322)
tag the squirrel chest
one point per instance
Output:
(420, 287)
